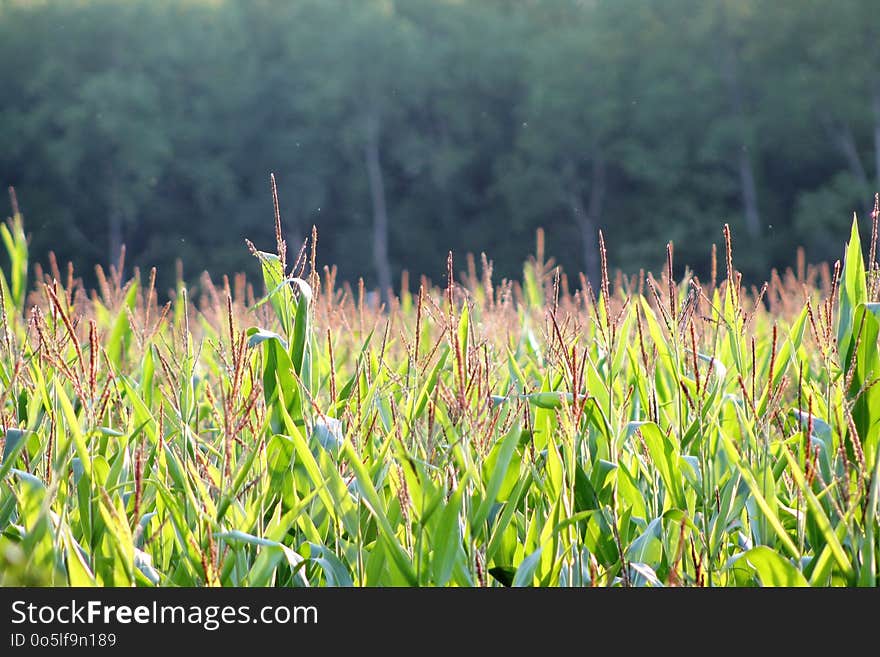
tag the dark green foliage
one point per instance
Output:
(155, 123)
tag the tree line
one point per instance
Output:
(404, 129)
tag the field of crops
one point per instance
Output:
(655, 431)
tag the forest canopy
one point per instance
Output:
(406, 128)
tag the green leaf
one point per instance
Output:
(16, 243)
(505, 450)
(120, 334)
(868, 574)
(271, 553)
(665, 456)
(525, 574)
(648, 547)
(279, 386)
(866, 395)
(463, 330)
(334, 570)
(549, 400)
(504, 574)
(12, 447)
(447, 538)
(278, 290)
(299, 344)
(585, 497)
(853, 291)
(507, 515)
(78, 571)
(71, 423)
(772, 569)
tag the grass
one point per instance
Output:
(659, 432)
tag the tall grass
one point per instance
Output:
(653, 432)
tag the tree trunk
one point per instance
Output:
(749, 193)
(847, 144)
(876, 106)
(380, 209)
(115, 219)
(116, 185)
(114, 237)
(588, 219)
(746, 171)
(843, 137)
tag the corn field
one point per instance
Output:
(653, 431)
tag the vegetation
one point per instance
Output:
(400, 127)
(653, 431)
